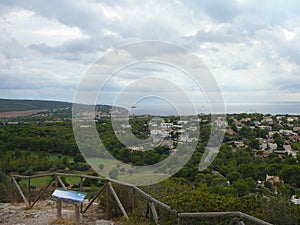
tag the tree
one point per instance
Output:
(78, 158)
(65, 161)
(130, 171)
(18, 154)
(218, 181)
(279, 141)
(281, 210)
(290, 174)
(151, 157)
(113, 173)
(89, 182)
(246, 132)
(286, 190)
(242, 187)
(248, 170)
(254, 143)
(101, 166)
(269, 185)
(233, 176)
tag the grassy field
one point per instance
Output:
(108, 164)
(42, 181)
(53, 156)
(139, 176)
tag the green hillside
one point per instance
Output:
(7, 105)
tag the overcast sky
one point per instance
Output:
(251, 47)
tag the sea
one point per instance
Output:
(273, 108)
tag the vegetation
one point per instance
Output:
(7, 105)
(236, 180)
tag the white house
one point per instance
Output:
(166, 125)
(295, 200)
(272, 146)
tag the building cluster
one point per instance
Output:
(165, 133)
(281, 132)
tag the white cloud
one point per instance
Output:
(251, 47)
(28, 28)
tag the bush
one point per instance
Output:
(89, 182)
(113, 173)
(75, 186)
(279, 210)
(53, 169)
(21, 170)
(80, 167)
(61, 166)
(5, 186)
(28, 172)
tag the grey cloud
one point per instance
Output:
(83, 45)
(238, 23)
(26, 80)
(10, 47)
(291, 51)
(240, 66)
(276, 41)
(286, 83)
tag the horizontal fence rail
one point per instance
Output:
(237, 218)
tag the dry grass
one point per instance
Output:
(27, 207)
(22, 113)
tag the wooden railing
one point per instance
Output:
(236, 218)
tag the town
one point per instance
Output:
(259, 155)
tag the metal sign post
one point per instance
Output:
(70, 197)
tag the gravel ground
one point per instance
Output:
(44, 213)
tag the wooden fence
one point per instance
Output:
(236, 218)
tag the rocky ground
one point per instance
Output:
(44, 213)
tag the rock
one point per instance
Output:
(44, 213)
(104, 222)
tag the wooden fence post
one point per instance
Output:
(29, 191)
(133, 200)
(81, 184)
(42, 192)
(237, 218)
(107, 209)
(94, 198)
(147, 210)
(81, 190)
(61, 182)
(77, 214)
(20, 191)
(58, 210)
(56, 181)
(12, 191)
(154, 212)
(118, 201)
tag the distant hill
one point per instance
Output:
(9, 105)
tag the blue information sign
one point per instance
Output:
(68, 196)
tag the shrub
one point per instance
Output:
(28, 172)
